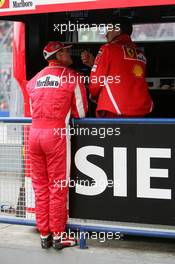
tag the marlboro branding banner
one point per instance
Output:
(15, 7)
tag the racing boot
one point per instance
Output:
(46, 241)
(63, 240)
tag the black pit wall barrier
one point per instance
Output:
(139, 159)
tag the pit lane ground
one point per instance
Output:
(21, 244)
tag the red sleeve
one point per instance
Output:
(28, 84)
(99, 71)
(79, 105)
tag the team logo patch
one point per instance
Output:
(48, 81)
(131, 53)
(138, 71)
(4, 3)
(140, 56)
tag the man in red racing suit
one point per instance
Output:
(117, 79)
(56, 94)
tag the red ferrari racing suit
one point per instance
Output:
(118, 82)
(56, 94)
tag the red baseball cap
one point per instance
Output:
(52, 47)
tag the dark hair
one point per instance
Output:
(125, 24)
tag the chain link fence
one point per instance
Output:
(16, 192)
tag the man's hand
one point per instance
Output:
(87, 58)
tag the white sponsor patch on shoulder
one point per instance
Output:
(48, 81)
(140, 56)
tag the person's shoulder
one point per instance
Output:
(29, 82)
(104, 46)
(115, 45)
(102, 50)
(34, 78)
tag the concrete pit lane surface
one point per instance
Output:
(21, 244)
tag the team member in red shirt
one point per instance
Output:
(117, 79)
(56, 94)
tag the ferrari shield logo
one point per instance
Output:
(2, 2)
(133, 53)
(130, 52)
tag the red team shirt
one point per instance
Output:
(117, 79)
